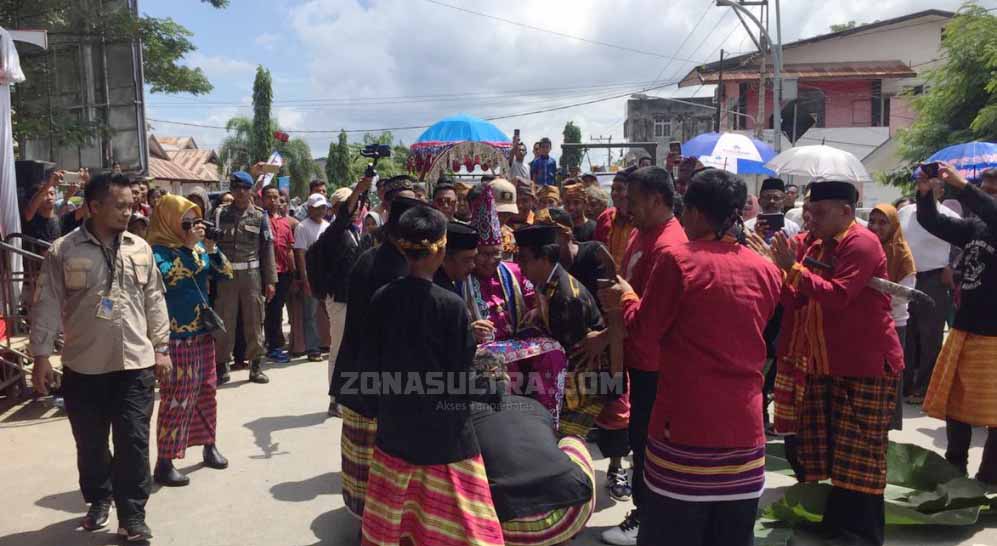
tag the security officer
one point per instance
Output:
(246, 241)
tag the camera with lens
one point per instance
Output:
(210, 231)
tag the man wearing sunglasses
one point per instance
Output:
(246, 240)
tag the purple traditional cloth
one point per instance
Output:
(187, 406)
(537, 367)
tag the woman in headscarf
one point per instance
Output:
(187, 408)
(885, 223)
(199, 196)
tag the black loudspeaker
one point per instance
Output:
(29, 174)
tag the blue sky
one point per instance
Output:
(384, 63)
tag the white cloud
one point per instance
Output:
(218, 66)
(267, 40)
(403, 48)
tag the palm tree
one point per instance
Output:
(235, 151)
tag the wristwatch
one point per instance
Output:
(163, 349)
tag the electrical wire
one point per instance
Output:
(554, 32)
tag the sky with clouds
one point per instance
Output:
(371, 64)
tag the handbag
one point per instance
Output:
(212, 320)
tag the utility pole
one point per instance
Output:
(741, 10)
(763, 46)
(720, 94)
(609, 151)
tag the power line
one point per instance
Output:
(413, 127)
(556, 33)
(709, 4)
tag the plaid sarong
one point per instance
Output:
(844, 431)
(188, 410)
(357, 446)
(439, 505)
(561, 525)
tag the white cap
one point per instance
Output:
(316, 200)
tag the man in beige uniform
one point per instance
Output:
(247, 242)
(100, 285)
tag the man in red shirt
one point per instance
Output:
(852, 356)
(283, 246)
(706, 304)
(650, 197)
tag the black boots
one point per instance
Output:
(223, 375)
(256, 374)
(213, 458)
(167, 475)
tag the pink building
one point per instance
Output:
(850, 78)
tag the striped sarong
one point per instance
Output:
(844, 431)
(357, 445)
(438, 505)
(188, 410)
(704, 474)
(964, 383)
(561, 525)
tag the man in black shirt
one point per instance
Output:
(543, 489)
(422, 347)
(462, 247)
(576, 203)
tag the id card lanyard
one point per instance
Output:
(105, 308)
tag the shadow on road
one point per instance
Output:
(264, 428)
(64, 532)
(336, 528)
(329, 483)
(70, 501)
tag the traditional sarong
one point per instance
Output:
(439, 505)
(561, 525)
(844, 431)
(357, 447)
(964, 384)
(788, 394)
(537, 367)
(188, 411)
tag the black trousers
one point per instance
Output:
(959, 436)
(119, 404)
(858, 517)
(273, 321)
(720, 523)
(643, 391)
(925, 331)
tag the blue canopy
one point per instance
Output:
(462, 128)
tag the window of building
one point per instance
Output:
(662, 128)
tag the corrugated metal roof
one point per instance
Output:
(821, 71)
(203, 163)
(161, 169)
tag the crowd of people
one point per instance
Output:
(481, 337)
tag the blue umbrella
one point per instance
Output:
(970, 159)
(462, 128)
(734, 152)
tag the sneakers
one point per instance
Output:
(135, 532)
(279, 356)
(97, 515)
(619, 484)
(625, 534)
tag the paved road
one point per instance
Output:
(282, 487)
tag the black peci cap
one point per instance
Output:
(461, 237)
(537, 236)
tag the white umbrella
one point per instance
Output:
(820, 164)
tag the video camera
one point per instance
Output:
(375, 152)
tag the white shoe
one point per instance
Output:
(624, 534)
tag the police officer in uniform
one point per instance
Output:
(246, 241)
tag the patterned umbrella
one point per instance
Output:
(459, 141)
(970, 159)
(732, 152)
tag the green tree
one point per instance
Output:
(960, 99)
(845, 26)
(263, 140)
(339, 168)
(38, 114)
(571, 158)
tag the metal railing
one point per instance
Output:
(14, 363)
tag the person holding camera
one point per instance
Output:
(100, 285)
(187, 407)
(246, 239)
